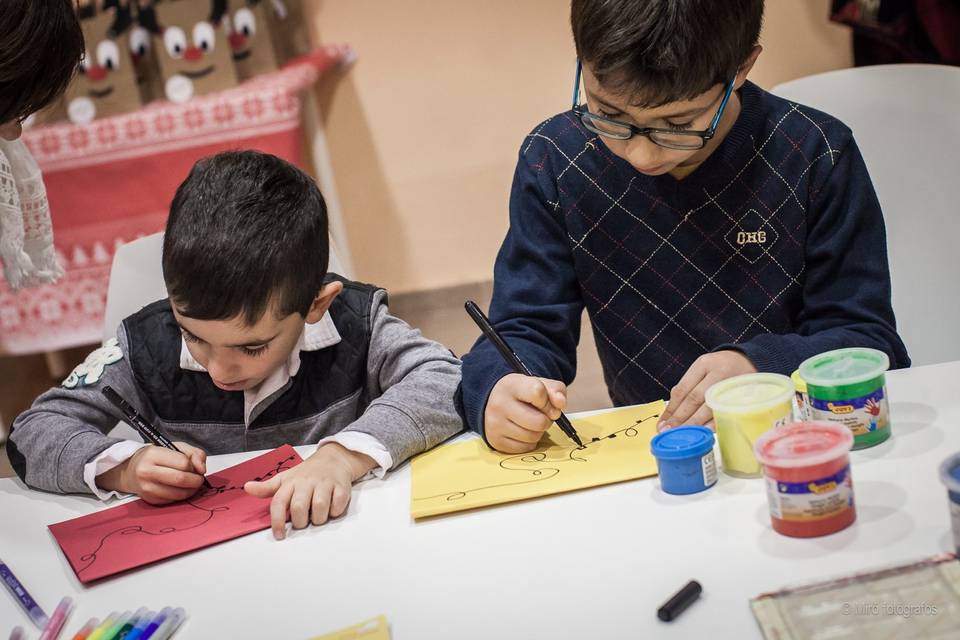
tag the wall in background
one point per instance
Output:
(424, 130)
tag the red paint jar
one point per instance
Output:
(807, 470)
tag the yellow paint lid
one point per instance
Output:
(750, 392)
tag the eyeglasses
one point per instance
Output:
(669, 138)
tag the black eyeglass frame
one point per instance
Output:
(630, 130)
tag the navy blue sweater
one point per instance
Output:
(775, 246)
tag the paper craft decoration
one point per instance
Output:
(106, 84)
(192, 48)
(143, 52)
(251, 43)
(291, 29)
(373, 629)
(136, 533)
(466, 475)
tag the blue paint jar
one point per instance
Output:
(950, 476)
(685, 459)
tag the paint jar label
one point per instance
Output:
(709, 465)
(801, 411)
(813, 500)
(863, 415)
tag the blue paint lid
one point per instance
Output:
(682, 442)
(950, 473)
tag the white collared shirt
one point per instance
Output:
(314, 337)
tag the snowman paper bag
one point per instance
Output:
(192, 48)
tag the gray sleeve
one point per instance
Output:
(412, 381)
(66, 427)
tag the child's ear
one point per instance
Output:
(747, 66)
(322, 302)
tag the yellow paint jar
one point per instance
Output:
(744, 408)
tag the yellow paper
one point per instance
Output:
(466, 475)
(373, 629)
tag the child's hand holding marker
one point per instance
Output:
(315, 490)
(157, 474)
(519, 411)
(687, 404)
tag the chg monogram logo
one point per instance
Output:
(751, 237)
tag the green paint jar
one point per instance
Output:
(848, 387)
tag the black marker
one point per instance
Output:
(511, 359)
(144, 428)
(683, 599)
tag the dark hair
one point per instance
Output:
(660, 51)
(246, 229)
(41, 45)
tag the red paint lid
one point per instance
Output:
(803, 444)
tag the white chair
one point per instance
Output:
(136, 279)
(906, 123)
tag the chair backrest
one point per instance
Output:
(906, 123)
(136, 279)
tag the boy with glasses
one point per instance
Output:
(710, 228)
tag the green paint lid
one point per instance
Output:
(749, 392)
(844, 367)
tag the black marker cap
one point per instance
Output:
(683, 599)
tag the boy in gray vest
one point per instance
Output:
(257, 346)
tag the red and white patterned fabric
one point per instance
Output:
(112, 181)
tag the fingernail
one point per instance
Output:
(661, 425)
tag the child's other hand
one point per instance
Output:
(313, 491)
(520, 409)
(687, 404)
(158, 475)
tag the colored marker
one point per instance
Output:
(112, 632)
(155, 624)
(104, 626)
(87, 630)
(171, 624)
(17, 634)
(513, 361)
(57, 620)
(130, 624)
(142, 625)
(133, 418)
(26, 601)
(680, 601)
(120, 631)
(115, 625)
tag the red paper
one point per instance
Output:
(136, 533)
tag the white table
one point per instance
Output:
(590, 564)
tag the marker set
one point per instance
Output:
(142, 624)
